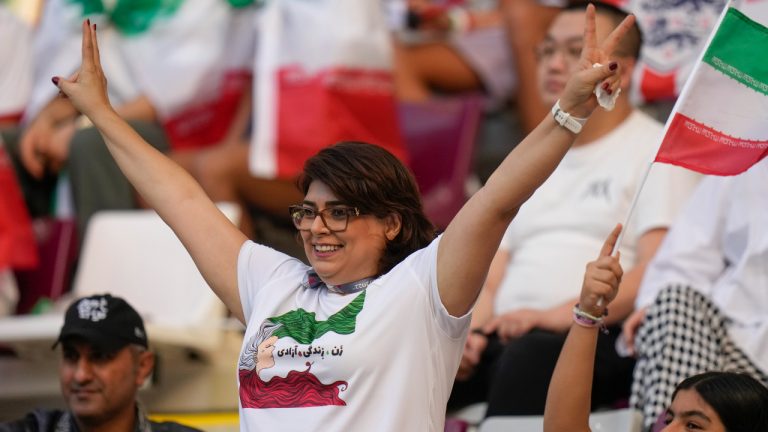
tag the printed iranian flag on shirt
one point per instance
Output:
(720, 125)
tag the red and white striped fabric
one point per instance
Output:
(18, 249)
(719, 124)
(323, 75)
(180, 60)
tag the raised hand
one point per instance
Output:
(602, 278)
(578, 98)
(87, 89)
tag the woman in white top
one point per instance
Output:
(370, 336)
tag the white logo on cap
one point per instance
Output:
(92, 309)
(139, 334)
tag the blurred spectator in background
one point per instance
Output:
(705, 294)
(16, 242)
(313, 86)
(16, 70)
(527, 22)
(452, 47)
(523, 314)
(18, 249)
(711, 401)
(222, 170)
(674, 34)
(104, 362)
(165, 66)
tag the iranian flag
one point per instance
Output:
(720, 123)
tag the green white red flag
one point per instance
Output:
(720, 123)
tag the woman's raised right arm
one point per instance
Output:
(211, 239)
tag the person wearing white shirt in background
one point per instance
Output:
(703, 303)
(711, 401)
(524, 311)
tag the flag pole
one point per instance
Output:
(633, 205)
(683, 95)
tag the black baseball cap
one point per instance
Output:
(106, 322)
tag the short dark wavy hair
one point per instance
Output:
(370, 178)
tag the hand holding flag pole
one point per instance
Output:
(731, 137)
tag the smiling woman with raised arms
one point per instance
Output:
(370, 336)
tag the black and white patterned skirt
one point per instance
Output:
(683, 334)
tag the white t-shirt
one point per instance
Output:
(563, 226)
(383, 359)
(719, 246)
(175, 62)
(16, 72)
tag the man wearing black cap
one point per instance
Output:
(105, 359)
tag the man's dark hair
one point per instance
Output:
(630, 45)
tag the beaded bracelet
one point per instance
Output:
(585, 319)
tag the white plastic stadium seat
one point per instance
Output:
(131, 254)
(623, 420)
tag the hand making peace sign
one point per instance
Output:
(578, 98)
(87, 88)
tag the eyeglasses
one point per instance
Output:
(335, 219)
(571, 51)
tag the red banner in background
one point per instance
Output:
(205, 124)
(18, 249)
(341, 104)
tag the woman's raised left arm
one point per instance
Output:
(470, 241)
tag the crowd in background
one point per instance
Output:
(185, 75)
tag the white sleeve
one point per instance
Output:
(256, 266)
(424, 264)
(665, 192)
(691, 253)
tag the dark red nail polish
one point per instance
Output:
(94, 26)
(88, 21)
(55, 80)
(613, 65)
(605, 86)
(609, 91)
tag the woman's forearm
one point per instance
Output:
(478, 227)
